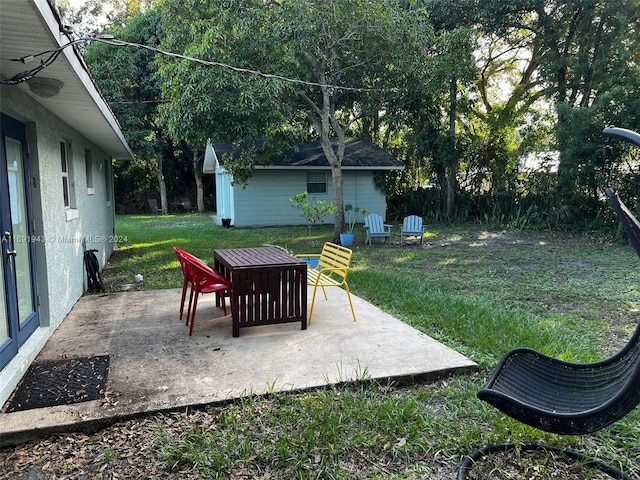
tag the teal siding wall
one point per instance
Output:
(265, 199)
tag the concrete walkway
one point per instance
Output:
(156, 366)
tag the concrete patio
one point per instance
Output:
(155, 366)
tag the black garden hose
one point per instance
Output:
(470, 459)
(94, 278)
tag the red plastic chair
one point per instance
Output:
(203, 279)
(180, 253)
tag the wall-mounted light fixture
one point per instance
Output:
(45, 87)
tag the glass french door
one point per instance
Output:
(18, 299)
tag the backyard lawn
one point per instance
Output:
(482, 293)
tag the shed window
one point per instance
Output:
(317, 182)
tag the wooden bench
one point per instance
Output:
(332, 270)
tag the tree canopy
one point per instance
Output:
(459, 90)
(308, 66)
(586, 54)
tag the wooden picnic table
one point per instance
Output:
(269, 286)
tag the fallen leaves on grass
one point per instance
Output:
(130, 450)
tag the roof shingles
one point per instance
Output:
(358, 153)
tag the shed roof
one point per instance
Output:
(358, 154)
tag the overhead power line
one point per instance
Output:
(110, 40)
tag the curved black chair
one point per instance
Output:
(564, 397)
(570, 398)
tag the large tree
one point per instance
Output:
(588, 60)
(128, 78)
(306, 64)
(507, 120)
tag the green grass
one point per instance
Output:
(480, 293)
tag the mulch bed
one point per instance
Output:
(60, 382)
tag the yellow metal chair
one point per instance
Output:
(332, 270)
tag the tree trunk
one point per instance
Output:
(335, 160)
(161, 184)
(197, 173)
(338, 200)
(328, 122)
(453, 162)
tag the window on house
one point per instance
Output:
(108, 181)
(66, 184)
(317, 182)
(88, 167)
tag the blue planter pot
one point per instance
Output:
(312, 262)
(346, 239)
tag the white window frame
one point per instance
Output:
(88, 168)
(108, 181)
(66, 167)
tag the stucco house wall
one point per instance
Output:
(77, 116)
(58, 233)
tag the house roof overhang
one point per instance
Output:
(31, 27)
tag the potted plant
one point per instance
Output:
(350, 215)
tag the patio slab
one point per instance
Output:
(155, 366)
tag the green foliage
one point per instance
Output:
(327, 64)
(218, 103)
(312, 211)
(291, 71)
(241, 166)
(128, 78)
(586, 60)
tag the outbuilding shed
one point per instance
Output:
(264, 200)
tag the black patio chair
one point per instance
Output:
(570, 398)
(563, 397)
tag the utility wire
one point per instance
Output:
(29, 74)
(210, 63)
